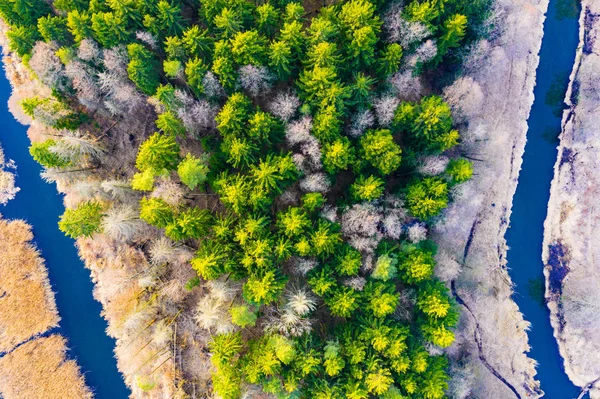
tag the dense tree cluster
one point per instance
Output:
(278, 259)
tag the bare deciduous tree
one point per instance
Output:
(115, 60)
(256, 80)
(385, 106)
(85, 83)
(298, 131)
(316, 182)
(401, 30)
(432, 165)
(147, 38)
(122, 222)
(465, 98)
(47, 66)
(212, 86)
(199, 117)
(361, 121)
(88, 50)
(284, 105)
(407, 86)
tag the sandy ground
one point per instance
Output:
(571, 254)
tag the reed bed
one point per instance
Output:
(39, 369)
(27, 306)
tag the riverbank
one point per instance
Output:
(489, 358)
(8, 189)
(39, 203)
(570, 251)
(138, 279)
(33, 361)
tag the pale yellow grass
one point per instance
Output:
(27, 306)
(40, 370)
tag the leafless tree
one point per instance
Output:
(465, 98)
(115, 60)
(316, 182)
(284, 105)
(401, 30)
(47, 66)
(122, 222)
(407, 86)
(361, 121)
(85, 83)
(298, 131)
(256, 80)
(385, 106)
(212, 86)
(199, 118)
(432, 165)
(147, 38)
(88, 50)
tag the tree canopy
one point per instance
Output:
(284, 162)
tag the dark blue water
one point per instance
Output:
(40, 205)
(533, 191)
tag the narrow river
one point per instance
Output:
(533, 191)
(39, 204)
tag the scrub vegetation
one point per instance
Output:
(254, 182)
(31, 366)
(27, 307)
(39, 369)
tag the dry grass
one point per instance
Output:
(39, 369)
(27, 306)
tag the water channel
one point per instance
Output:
(530, 203)
(40, 205)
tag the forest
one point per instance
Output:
(302, 151)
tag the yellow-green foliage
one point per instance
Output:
(460, 170)
(192, 171)
(367, 188)
(82, 221)
(381, 151)
(242, 316)
(427, 198)
(251, 227)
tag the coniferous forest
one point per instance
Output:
(301, 150)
